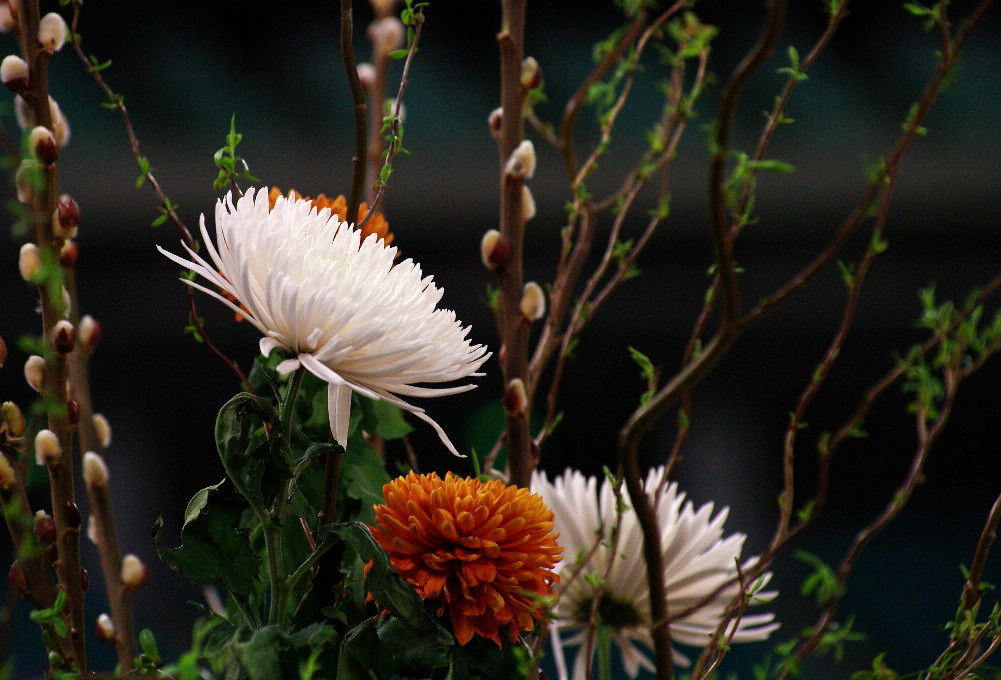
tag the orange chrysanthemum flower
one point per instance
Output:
(339, 206)
(485, 549)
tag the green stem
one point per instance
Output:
(604, 652)
(308, 564)
(280, 586)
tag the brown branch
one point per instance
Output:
(360, 112)
(514, 334)
(394, 130)
(166, 206)
(644, 417)
(576, 102)
(64, 510)
(926, 439)
(119, 596)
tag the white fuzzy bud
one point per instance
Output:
(47, 447)
(103, 429)
(14, 73)
(392, 108)
(533, 301)
(367, 76)
(62, 131)
(134, 573)
(89, 332)
(34, 372)
(8, 20)
(52, 32)
(60, 126)
(382, 7)
(522, 160)
(67, 302)
(494, 250)
(42, 143)
(7, 475)
(105, 629)
(11, 419)
(527, 203)
(26, 179)
(68, 252)
(531, 74)
(515, 398)
(21, 112)
(63, 336)
(386, 34)
(29, 262)
(92, 530)
(95, 472)
(495, 121)
(66, 217)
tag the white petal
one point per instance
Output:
(339, 412)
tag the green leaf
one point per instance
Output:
(259, 654)
(260, 467)
(213, 550)
(360, 656)
(383, 419)
(386, 585)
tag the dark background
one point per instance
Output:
(186, 67)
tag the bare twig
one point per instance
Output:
(360, 112)
(166, 206)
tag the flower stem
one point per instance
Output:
(280, 585)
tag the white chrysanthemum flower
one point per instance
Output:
(336, 304)
(699, 564)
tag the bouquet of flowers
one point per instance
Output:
(331, 549)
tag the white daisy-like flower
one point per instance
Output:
(336, 305)
(699, 570)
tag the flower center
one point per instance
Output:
(612, 612)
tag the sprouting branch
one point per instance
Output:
(393, 132)
(644, 417)
(168, 209)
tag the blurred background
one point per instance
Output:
(186, 67)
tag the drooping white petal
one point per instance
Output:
(339, 411)
(337, 305)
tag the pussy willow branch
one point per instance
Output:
(119, 597)
(30, 561)
(644, 417)
(165, 205)
(101, 507)
(64, 510)
(360, 111)
(514, 334)
(394, 131)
